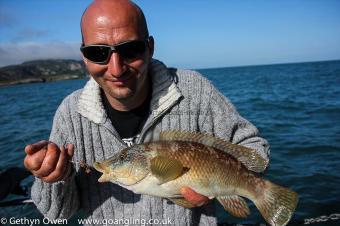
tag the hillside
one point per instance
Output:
(42, 71)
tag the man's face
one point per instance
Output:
(120, 80)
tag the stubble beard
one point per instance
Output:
(122, 94)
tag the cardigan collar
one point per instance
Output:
(165, 93)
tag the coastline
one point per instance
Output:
(40, 71)
(40, 80)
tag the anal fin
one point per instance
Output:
(235, 205)
(182, 202)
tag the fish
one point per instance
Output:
(209, 165)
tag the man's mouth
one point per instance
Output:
(120, 81)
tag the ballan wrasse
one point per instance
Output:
(210, 166)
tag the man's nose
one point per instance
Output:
(116, 65)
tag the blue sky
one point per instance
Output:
(188, 33)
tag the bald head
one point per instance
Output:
(116, 13)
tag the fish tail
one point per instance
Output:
(277, 204)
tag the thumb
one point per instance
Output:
(193, 197)
(33, 148)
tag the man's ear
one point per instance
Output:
(151, 44)
(85, 60)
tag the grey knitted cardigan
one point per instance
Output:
(181, 100)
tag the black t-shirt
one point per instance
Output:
(128, 123)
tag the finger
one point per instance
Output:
(194, 197)
(50, 160)
(60, 169)
(66, 169)
(70, 150)
(33, 162)
(33, 148)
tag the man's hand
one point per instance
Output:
(47, 161)
(193, 197)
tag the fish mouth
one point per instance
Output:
(107, 178)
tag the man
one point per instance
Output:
(129, 99)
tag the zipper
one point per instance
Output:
(108, 125)
(152, 122)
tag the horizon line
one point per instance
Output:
(206, 68)
(266, 64)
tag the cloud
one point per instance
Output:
(16, 53)
(29, 34)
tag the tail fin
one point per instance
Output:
(277, 204)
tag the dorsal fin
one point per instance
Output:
(249, 157)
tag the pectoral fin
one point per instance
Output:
(182, 202)
(166, 169)
(235, 205)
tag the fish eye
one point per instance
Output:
(122, 156)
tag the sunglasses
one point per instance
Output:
(129, 51)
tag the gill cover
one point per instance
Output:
(130, 166)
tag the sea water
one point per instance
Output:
(296, 107)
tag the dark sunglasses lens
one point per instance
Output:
(131, 50)
(97, 54)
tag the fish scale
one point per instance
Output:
(205, 164)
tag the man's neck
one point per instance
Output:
(125, 104)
